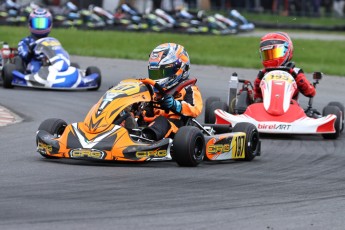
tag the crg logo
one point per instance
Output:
(87, 153)
(153, 153)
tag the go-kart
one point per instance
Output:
(53, 70)
(242, 22)
(201, 23)
(7, 55)
(67, 15)
(128, 18)
(12, 13)
(109, 132)
(279, 112)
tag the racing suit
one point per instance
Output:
(164, 123)
(303, 85)
(26, 52)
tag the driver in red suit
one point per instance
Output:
(276, 50)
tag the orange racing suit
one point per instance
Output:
(166, 123)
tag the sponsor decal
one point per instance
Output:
(218, 148)
(87, 153)
(51, 43)
(44, 148)
(274, 127)
(152, 153)
(279, 75)
(238, 146)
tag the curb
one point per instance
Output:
(7, 117)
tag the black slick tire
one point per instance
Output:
(331, 109)
(91, 70)
(252, 139)
(55, 127)
(208, 103)
(188, 146)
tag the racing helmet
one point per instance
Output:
(276, 49)
(169, 65)
(40, 22)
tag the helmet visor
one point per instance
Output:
(40, 23)
(272, 52)
(162, 72)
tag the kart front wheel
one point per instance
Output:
(94, 69)
(252, 143)
(55, 127)
(19, 63)
(7, 76)
(216, 105)
(332, 109)
(188, 146)
(342, 110)
(208, 103)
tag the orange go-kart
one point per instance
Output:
(105, 135)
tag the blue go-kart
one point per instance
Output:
(51, 70)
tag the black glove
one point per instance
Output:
(290, 65)
(261, 74)
(168, 102)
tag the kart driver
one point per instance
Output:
(276, 50)
(169, 66)
(40, 24)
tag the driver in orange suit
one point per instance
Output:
(169, 66)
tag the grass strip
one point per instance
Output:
(232, 51)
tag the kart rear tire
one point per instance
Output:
(332, 109)
(55, 127)
(7, 75)
(341, 107)
(242, 103)
(216, 105)
(91, 70)
(208, 103)
(252, 139)
(188, 146)
(18, 61)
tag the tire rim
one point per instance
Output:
(60, 130)
(198, 147)
(254, 140)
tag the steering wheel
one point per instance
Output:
(160, 89)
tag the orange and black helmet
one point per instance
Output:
(169, 65)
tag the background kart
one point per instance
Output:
(53, 70)
(279, 113)
(7, 55)
(104, 136)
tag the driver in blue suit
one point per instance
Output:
(40, 24)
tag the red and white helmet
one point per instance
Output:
(276, 49)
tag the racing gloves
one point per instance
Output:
(170, 103)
